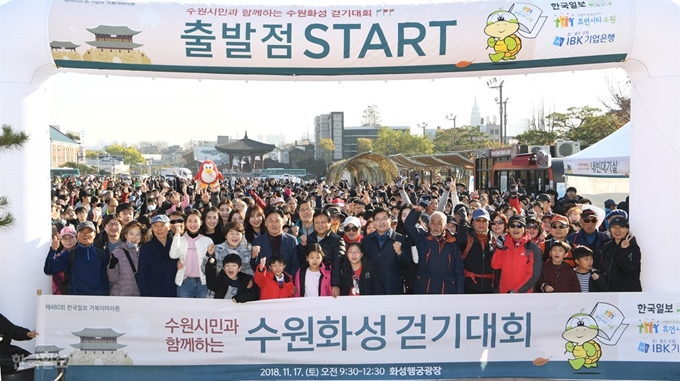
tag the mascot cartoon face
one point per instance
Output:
(208, 174)
(580, 333)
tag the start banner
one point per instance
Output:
(371, 40)
(567, 336)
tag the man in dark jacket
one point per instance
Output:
(477, 248)
(84, 266)
(231, 282)
(389, 251)
(156, 272)
(9, 332)
(440, 264)
(332, 244)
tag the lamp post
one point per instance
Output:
(494, 84)
(452, 117)
(423, 126)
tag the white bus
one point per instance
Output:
(176, 172)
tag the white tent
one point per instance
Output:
(602, 171)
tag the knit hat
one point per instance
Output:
(560, 218)
(618, 212)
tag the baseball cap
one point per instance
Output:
(277, 200)
(68, 230)
(618, 221)
(160, 218)
(517, 218)
(588, 213)
(481, 213)
(339, 202)
(85, 225)
(352, 220)
(560, 218)
(543, 197)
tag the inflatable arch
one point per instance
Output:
(41, 38)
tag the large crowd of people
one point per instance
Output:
(249, 240)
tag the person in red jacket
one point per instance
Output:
(275, 284)
(518, 258)
(556, 274)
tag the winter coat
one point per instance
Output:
(519, 271)
(178, 250)
(561, 277)
(9, 332)
(440, 263)
(324, 281)
(390, 266)
(334, 251)
(288, 252)
(87, 275)
(479, 276)
(269, 287)
(579, 239)
(621, 267)
(219, 284)
(156, 272)
(369, 280)
(122, 278)
(57, 278)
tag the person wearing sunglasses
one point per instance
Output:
(589, 236)
(560, 229)
(518, 258)
(477, 246)
(352, 230)
(535, 230)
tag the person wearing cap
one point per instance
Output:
(157, 271)
(619, 259)
(351, 228)
(84, 266)
(610, 216)
(546, 202)
(61, 243)
(440, 264)
(518, 259)
(556, 275)
(571, 197)
(591, 218)
(590, 278)
(389, 251)
(476, 244)
(560, 229)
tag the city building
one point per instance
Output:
(351, 134)
(63, 148)
(491, 127)
(329, 126)
(475, 116)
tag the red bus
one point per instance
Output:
(498, 168)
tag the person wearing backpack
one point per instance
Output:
(476, 244)
(518, 258)
(84, 266)
(124, 261)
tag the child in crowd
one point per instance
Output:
(589, 278)
(359, 276)
(274, 283)
(231, 282)
(314, 278)
(556, 275)
(124, 261)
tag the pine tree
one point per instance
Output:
(9, 140)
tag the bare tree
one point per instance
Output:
(618, 104)
(371, 116)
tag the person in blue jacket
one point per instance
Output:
(440, 263)
(389, 251)
(156, 272)
(86, 270)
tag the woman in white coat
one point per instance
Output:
(190, 248)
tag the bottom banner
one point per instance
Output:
(631, 336)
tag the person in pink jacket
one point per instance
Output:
(314, 277)
(124, 261)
